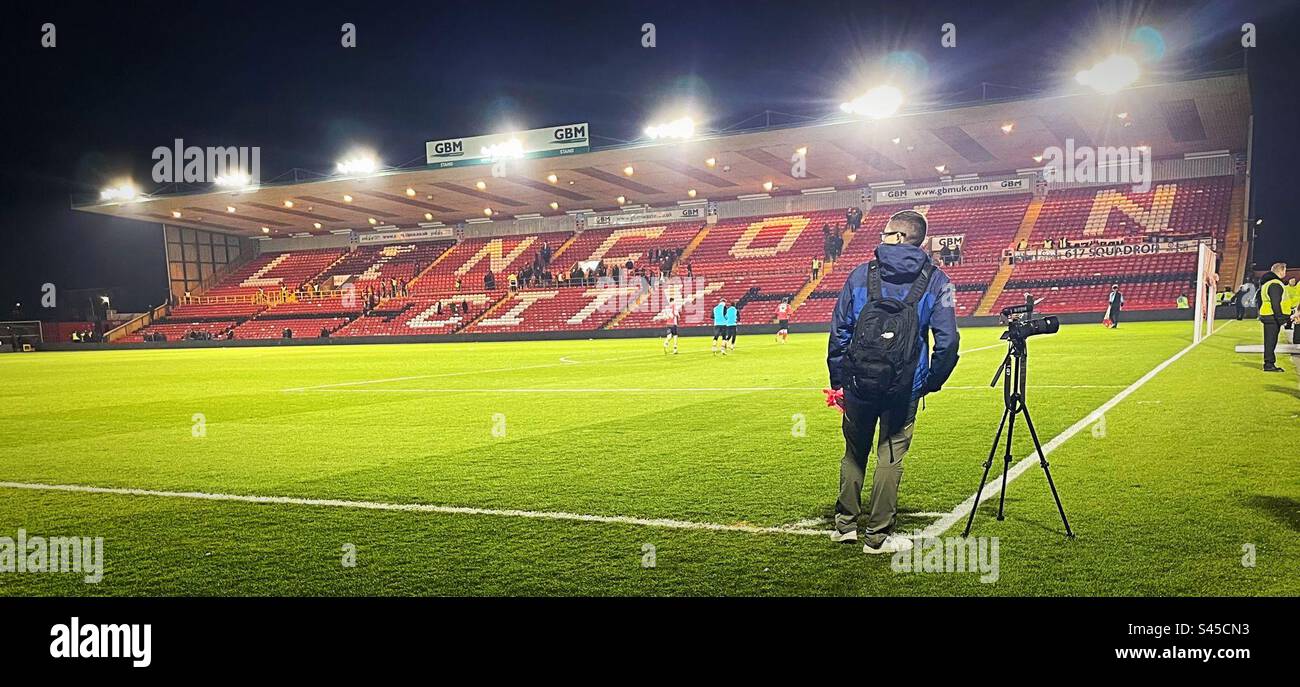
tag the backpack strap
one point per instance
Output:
(920, 285)
(873, 280)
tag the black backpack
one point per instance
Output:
(881, 360)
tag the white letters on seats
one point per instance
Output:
(257, 280)
(794, 224)
(620, 234)
(496, 261)
(511, 318)
(1153, 221)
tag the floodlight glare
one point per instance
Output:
(511, 149)
(678, 128)
(877, 103)
(363, 164)
(123, 191)
(236, 180)
(1111, 75)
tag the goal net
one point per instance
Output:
(1207, 288)
(14, 334)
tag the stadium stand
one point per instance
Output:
(302, 328)
(986, 225)
(470, 260)
(273, 271)
(753, 262)
(367, 265)
(1187, 208)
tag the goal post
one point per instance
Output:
(1207, 289)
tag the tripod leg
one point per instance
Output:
(1006, 461)
(1042, 460)
(997, 438)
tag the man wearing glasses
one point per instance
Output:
(900, 261)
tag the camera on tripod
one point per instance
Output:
(1023, 323)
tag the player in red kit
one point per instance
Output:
(674, 315)
(783, 320)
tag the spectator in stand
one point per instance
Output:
(816, 267)
(324, 333)
(853, 218)
(458, 284)
(1181, 302)
(438, 308)
(464, 306)
(513, 282)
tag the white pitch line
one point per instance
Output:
(423, 508)
(644, 389)
(964, 508)
(567, 390)
(982, 348)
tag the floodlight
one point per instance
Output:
(1111, 75)
(877, 103)
(123, 191)
(361, 164)
(235, 180)
(681, 128)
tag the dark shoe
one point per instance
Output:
(1273, 368)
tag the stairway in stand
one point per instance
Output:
(1000, 280)
(1235, 247)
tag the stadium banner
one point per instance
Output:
(963, 189)
(565, 139)
(951, 242)
(1110, 250)
(426, 234)
(628, 218)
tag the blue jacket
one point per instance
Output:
(719, 314)
(900, 264)
(731, 316)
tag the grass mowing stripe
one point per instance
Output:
(964, 508)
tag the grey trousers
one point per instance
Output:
(859, 426)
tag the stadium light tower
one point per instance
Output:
(1111, 75)
(877, 103)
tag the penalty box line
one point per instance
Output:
(667, 523)
(964, 508)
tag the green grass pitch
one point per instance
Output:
(1182, 478)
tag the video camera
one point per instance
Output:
(1023, 323)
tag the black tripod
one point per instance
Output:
(1014, 373)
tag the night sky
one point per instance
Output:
(126, 77)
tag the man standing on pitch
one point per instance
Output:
(1273, 312)
(1114, 303)
(901, 275)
